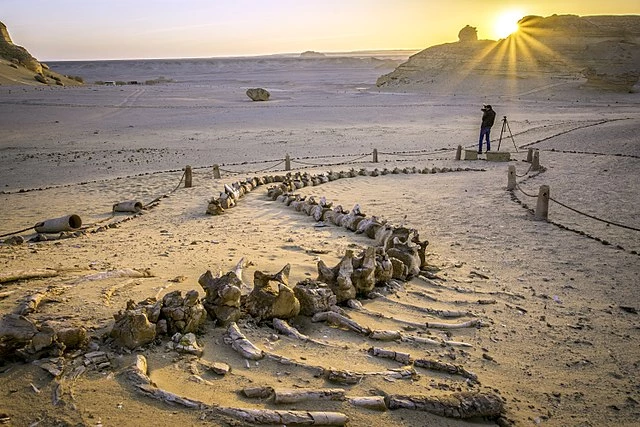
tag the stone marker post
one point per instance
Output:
(542, 207)
(511, 178)
(287, 163)
(375, 155)
(459, 152)
(529, 155)
(188, 179)
(535, 163)
(216, 171)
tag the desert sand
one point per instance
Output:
(560, 334)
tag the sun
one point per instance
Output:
(506, 23)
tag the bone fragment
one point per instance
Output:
(242, 345)
(302, 395)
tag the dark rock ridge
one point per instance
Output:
(312, 54)
(601, 51)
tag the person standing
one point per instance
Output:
(488, 118)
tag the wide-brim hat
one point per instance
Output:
(486, 107)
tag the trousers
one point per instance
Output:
(484, 132)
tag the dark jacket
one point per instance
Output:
(488, 118)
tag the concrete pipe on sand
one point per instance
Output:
(128, 206)
(56, 225)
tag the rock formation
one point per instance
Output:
(139, 324)
(26, 68)
(17, 54)
(23, 338)
(312, 54)
(468, 34)
(258, 94)
(603, 51)
(222, 296)
(272, 297)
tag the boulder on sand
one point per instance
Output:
(258, 94)
(183, 314)
(132, 327)
(272, 297)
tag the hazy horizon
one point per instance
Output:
(166, 29)
(372, 53)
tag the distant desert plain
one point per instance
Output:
(364, 274)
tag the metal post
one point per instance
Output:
(529, 155)
(187, 177)
(535, 163)
(375, 155)
(216, 171)
(542, 207)
(511, 178)
(287, 163)
(459, 152)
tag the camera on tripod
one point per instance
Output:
(505, 126)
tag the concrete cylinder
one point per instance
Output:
(529, 155)
(535, 163)
(188, 177)
(375, 155)
(542, 207)
(287, 163)
(128, 206)
(56, 225)
(459, 152)
(511, 178)
(216, 171)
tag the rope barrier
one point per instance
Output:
(573, 230)
(52, 187)
(16, 232)
(526, 173)
(301, 158)
(86, 227)
(254, 172)
(332, 156)
(113, 213)
(330, 164)
(580, 212)
(417, 153)
(553, 150)
(525, 193)
(573, 129)
(157, 199)
(594, 217)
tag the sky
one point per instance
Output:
(128, 29)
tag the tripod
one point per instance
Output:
(505, 125)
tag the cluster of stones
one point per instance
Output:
(398, 252)
(397, 255)
(140, 324)
(27, 339)
(292, 181)
(232, 193)
(271, 296)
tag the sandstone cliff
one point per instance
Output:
(597, 51)
(17, 66)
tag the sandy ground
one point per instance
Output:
(557, 347)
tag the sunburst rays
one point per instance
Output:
(517, 63)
